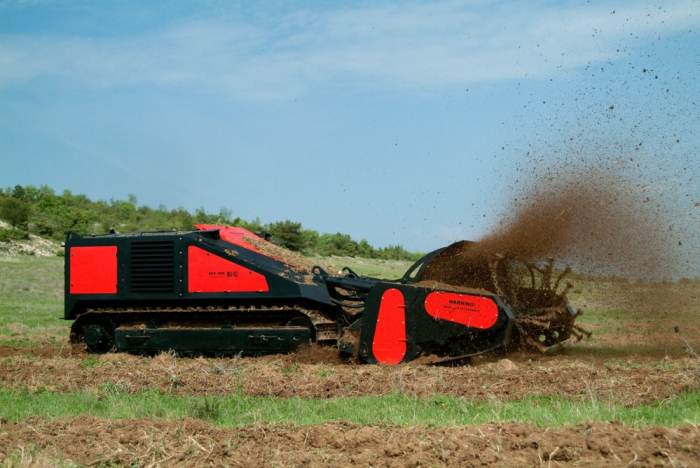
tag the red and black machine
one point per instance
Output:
(212, 291)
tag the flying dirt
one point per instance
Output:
(596, 220)
(592, 221)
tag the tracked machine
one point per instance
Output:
(219, 291)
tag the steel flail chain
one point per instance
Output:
(542, 316)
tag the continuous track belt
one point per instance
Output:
(258, 323)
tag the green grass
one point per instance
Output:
(617, 321)
(607, 321)
(229, 411)
(31, 296)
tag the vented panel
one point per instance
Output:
(153, 267)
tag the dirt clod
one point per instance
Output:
(506, 365)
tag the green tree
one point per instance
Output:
(182, 220)
(15, 211)
(310, 240)
(45, 191)
(201, 217)
(397, 252)
(254, 226)
(365, 250)
(337, 244)
(225, 215)
(125, 211)
(288, 234)
(54, 218)
(19, 192)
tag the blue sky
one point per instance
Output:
(399, 122)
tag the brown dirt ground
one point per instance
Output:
(191, 442)
(636, 360)
(47, 351)
(628, 383)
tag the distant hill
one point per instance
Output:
(41, 212)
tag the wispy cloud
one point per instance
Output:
(406, 46)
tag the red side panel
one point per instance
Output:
(389, 345)
(93, 270)
(210, 273)
(472, 311)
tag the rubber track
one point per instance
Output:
(325, 327)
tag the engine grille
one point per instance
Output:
(153, 267)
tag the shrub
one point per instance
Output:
(13, 234)
(14, 211)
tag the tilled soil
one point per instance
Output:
(623, 383)
(191, 442)
(42, 351)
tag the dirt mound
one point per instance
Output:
(461, 265)
(190, 442)
(292, 258)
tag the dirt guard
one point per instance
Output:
(212, 291)
(402, 322)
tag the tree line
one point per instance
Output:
(41, 211)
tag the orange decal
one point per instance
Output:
(472, 311)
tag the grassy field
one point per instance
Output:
(31, 300)
(395, 408)
(635, 336)
(388, 269)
